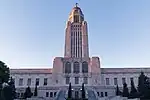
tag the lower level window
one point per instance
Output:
(51, 94)
(55, 94)
(76, 80)
(98, 93)
(106, 94)
(47, 94)
(85, 80)
(102, 95)
(67, 80)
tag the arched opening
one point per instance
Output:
(76, 67)
(84, 67)
(67, 67)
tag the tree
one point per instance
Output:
(35, 90)
(12, 87)
(133, 92)
(83, 91)
(28, 93)
(4, 76)
(118, 92)
(4, 73)
(143, 86)
(125, 90)
(69, 92)
(7, 93)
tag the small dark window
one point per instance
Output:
(56, 81)
(45, 81)
(98, 93)
(47, 94)
(105, 94)
(37, 81)
(102, 95)
(55, 94)
(51, 94)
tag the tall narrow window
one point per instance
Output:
(37, 81)
(107, 81)
(29, 82)
(45, 81)
(67, 80)
(20, 81)
(115, 81)
(47, 94)
(76, 67)
(51, 94)
(85, 80)
(102, 95)
(55, 94)
(106, 94)
(67, 67)
(123, 80)
(85, 67)
(76, 80)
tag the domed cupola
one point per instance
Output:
(76, 15)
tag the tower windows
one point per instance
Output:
(76, 18)
(67, 67)
(84, 67)
(76, 67)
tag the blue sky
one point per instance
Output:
(32, 31)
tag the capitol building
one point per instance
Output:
(76, 67)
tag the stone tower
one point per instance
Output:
(76, 35)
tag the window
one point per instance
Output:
(29, 82)
(85, 67)
(106, 94)
(20, 81)
(67, 80)
(37, 81)
(123, 80)
(67, 67)
(45, 81)
(51, 94)
(102, 95)
(131, 79)
(76, 80)
(55, 94)
(85, 80)
(47, 94)
(115, 81)
(76, 18)
(107, 81)
(76, 67)
(56, 81)
(98, 93)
